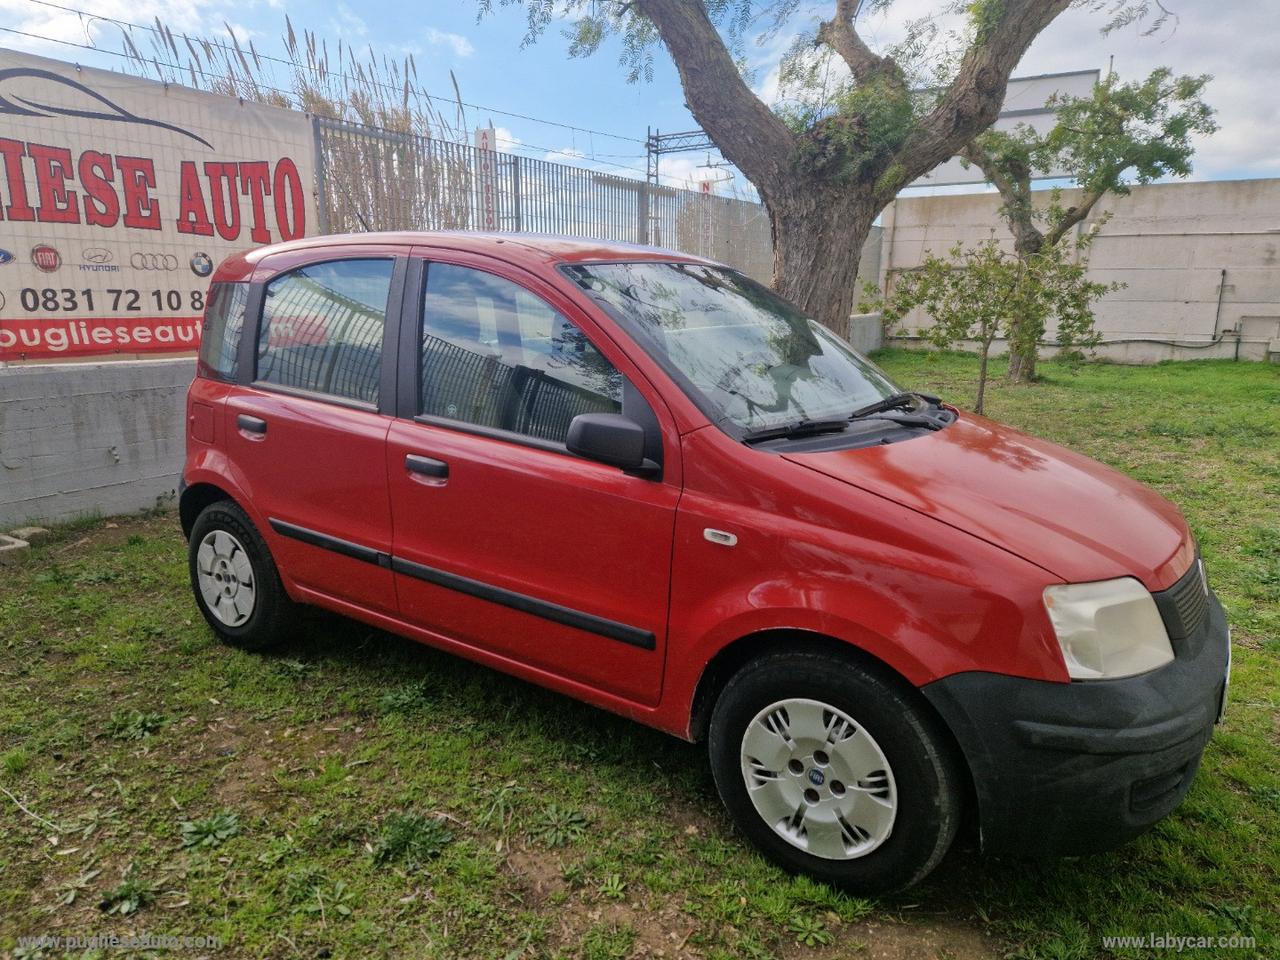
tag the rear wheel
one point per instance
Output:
(234, 579)
(834, 771)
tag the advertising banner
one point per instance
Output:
(118, 198)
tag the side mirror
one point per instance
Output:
(610, 438)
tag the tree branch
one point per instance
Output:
(747, 132)
(1014, 187)
(972, 102)
(1074, 215)
(841, 35)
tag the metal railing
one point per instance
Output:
(371, 179)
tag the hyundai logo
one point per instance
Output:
(97, 255)
(817, 777)
(153, 261)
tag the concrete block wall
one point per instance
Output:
(1200, 261)
(90, 438)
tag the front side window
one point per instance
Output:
(322, 328)
(220, 333)
(748, 357)
(495, 355)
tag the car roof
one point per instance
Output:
(526, 248)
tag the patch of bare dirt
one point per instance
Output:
(910, 940)
(537, 873)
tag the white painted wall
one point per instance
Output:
(90, 438)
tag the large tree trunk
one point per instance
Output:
(818, 235)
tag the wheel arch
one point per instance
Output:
(194, 499)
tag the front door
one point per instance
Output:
(502, 539)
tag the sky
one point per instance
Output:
(582, 111)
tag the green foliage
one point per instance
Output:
(211, 831)
(857, 134)
(983, 292)
(1144, 127)
(613, 887)
(411, 839)
(984, 15)
(557, 825)
(1124, 133)
(809, 931)
(130, 896)
(134, 724)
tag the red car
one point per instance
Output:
(648, 482)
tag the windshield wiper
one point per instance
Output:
(893, 402)
(790, 431)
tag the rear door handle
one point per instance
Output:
(426, 467)
(251, 424)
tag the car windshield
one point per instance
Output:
(747, 356)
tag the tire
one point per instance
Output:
(235, 581)
(799, 726)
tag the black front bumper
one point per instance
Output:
(1069, 768)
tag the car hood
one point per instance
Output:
(1072, 516)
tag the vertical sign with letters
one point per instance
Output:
(487, 176)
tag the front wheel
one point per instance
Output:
(834, 771)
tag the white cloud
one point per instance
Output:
(347, 23)
(505, 140)
(459, 44)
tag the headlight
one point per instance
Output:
(1107, 629)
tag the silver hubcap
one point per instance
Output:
(226, 578)
(819, 779)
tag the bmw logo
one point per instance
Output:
(817, 777)
(201, 264)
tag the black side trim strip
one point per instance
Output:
(326, 542)
(526, 604)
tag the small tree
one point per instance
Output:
(983, 292)
(1123, 134)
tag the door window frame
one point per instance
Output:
(388, 370)
(408, 399)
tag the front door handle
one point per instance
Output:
(248, 424)
(426, 467)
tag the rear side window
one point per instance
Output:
(322, 328)
(220, 335)
(495, 355)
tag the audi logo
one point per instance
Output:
(153, 261)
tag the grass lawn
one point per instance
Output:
(356, 795)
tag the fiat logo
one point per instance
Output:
(45, 257)
(817, 777)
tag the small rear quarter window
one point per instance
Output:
(220, 335)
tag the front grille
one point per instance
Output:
(1185, 605)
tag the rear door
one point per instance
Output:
(307, 431)
(503, 540)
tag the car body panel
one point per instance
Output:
(1056, 508)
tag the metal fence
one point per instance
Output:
(371, 179)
